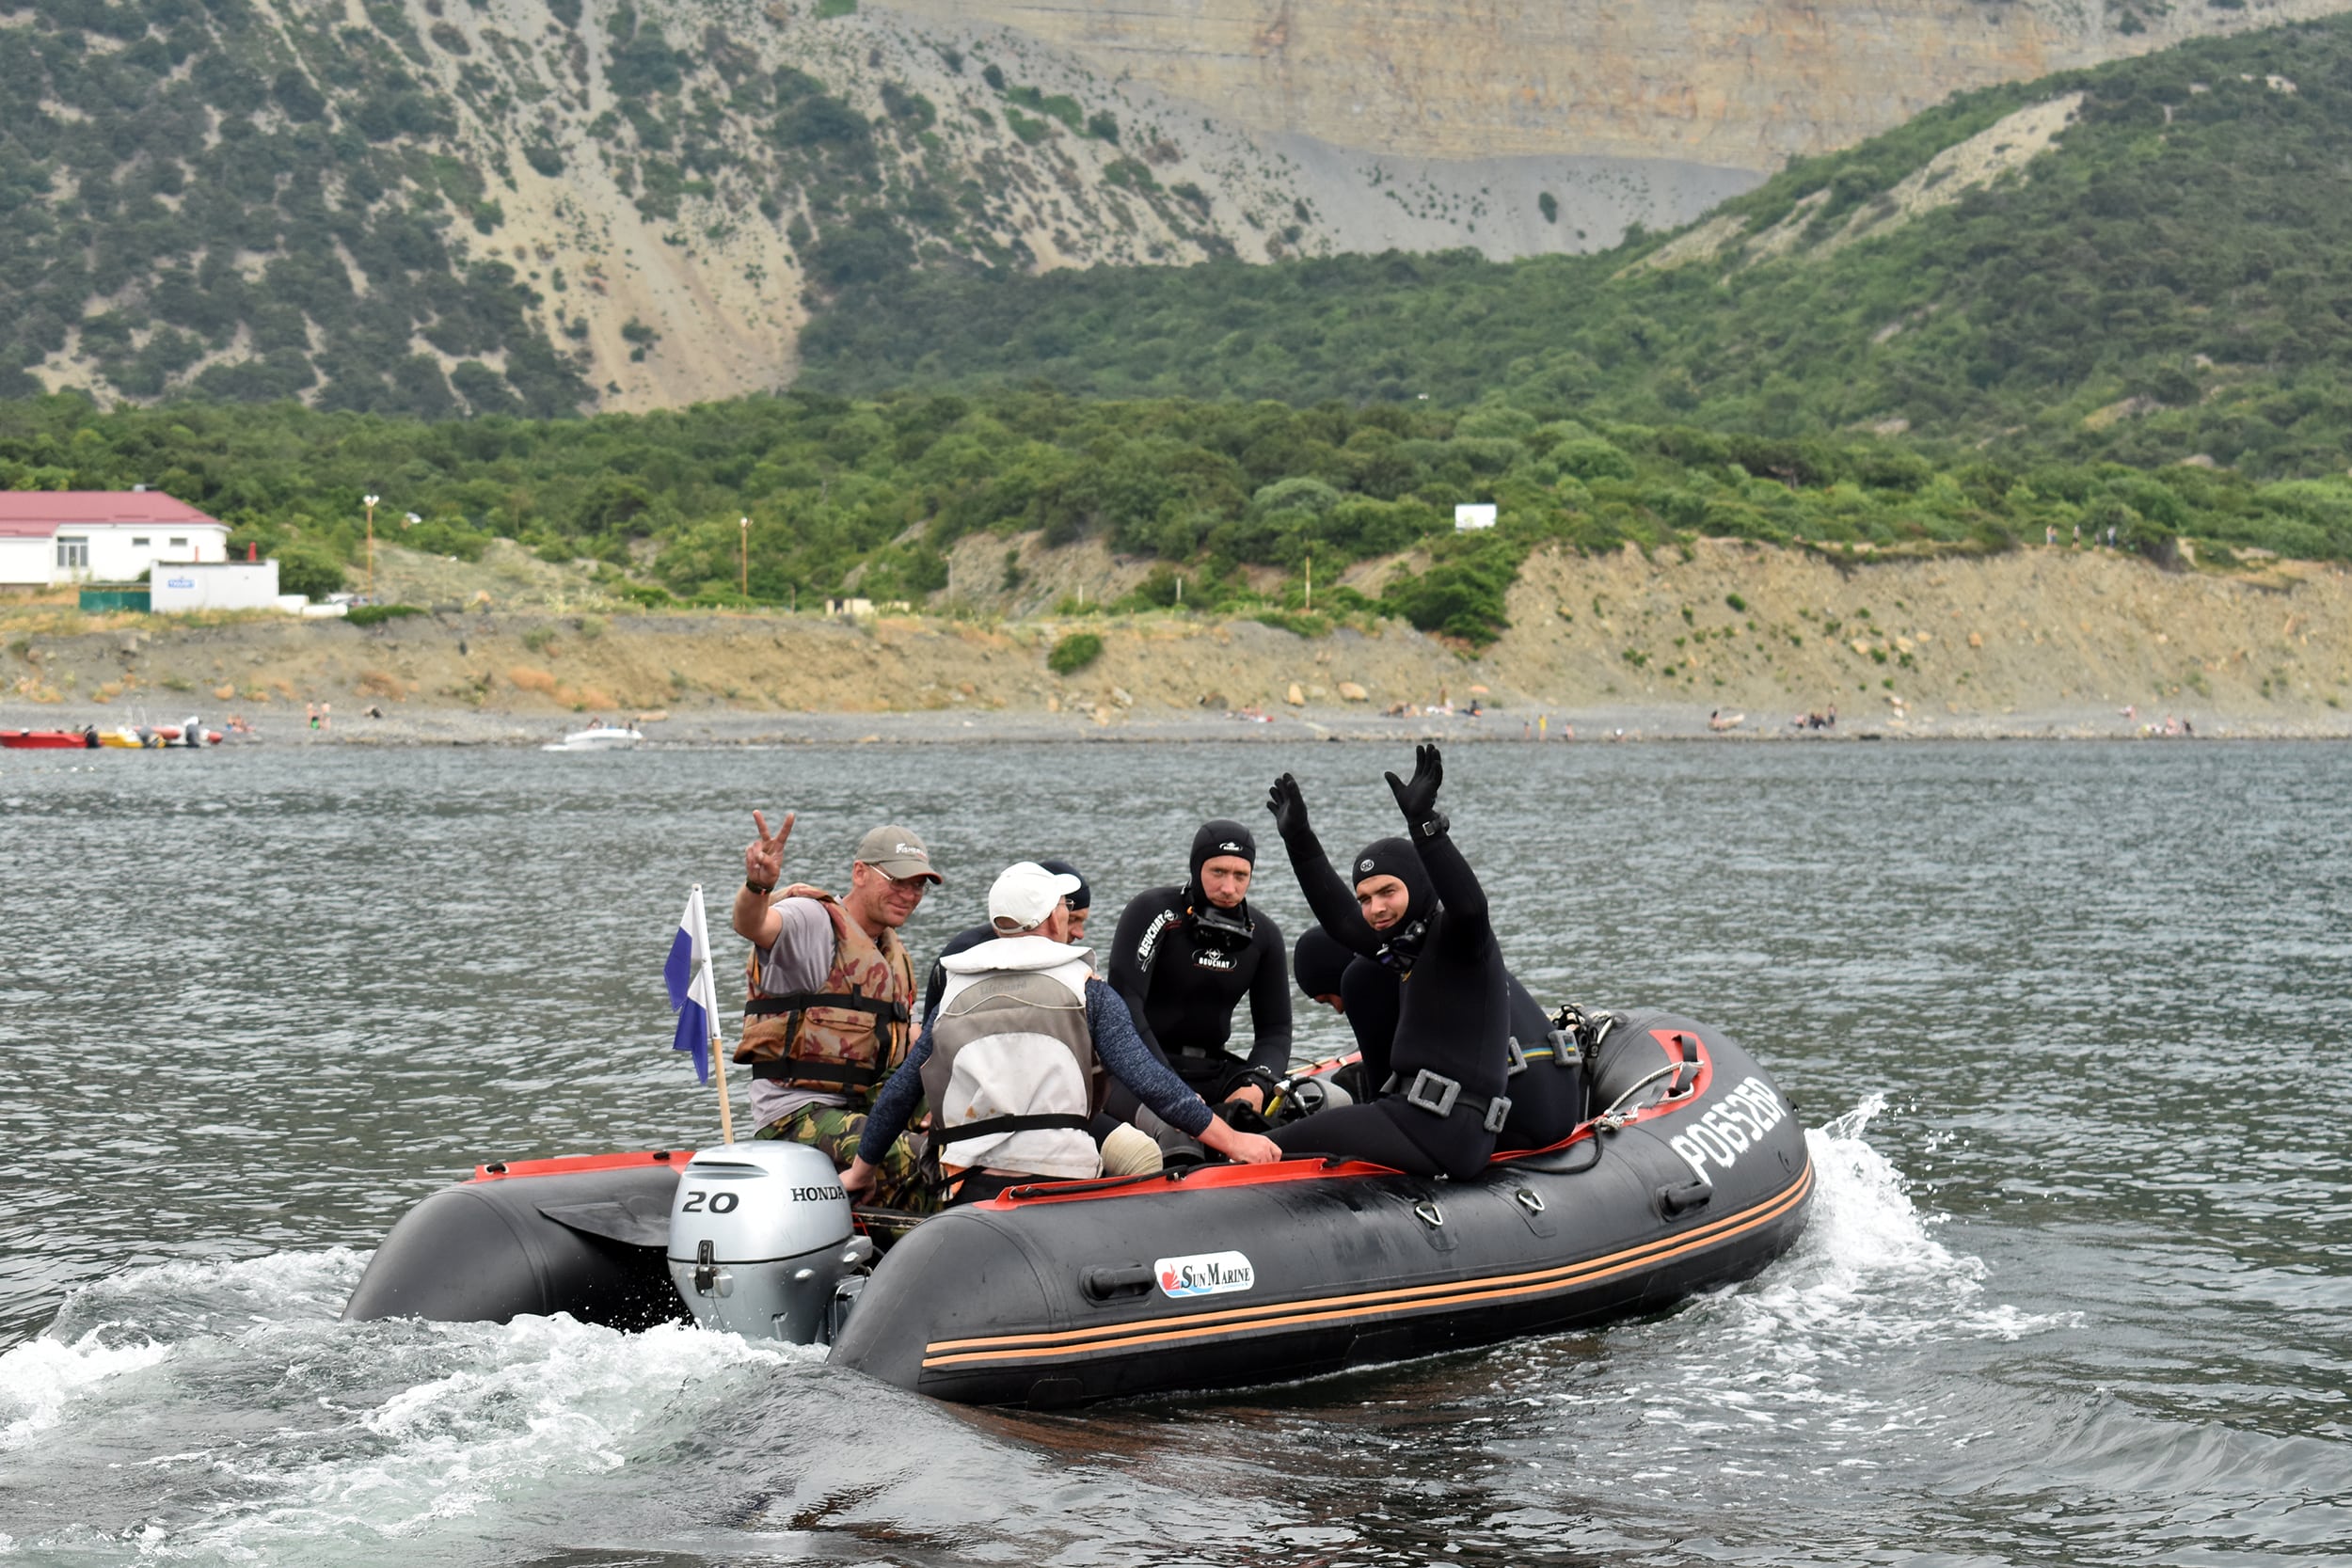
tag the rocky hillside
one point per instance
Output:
(1731, 83)
(438, 206)
(534, 206)
(2146, 262)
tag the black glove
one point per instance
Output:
(1418, 798)
(1288, 806)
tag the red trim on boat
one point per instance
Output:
(575, 1164)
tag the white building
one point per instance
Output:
(216, 585)
(1473, 514)
(54, 537)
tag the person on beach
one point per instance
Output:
(1182, 958)
(831, 994)
(1014, 1061)
(1444, 1099)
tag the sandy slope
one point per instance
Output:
(2041, 640)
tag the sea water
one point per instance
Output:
(2066, 1025)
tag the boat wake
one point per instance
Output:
(243, 1423)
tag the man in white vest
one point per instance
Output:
(1013, 1062)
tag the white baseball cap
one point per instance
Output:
(1025, 893)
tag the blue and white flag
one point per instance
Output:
(692, 993)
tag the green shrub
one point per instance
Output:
(305, 569)
(1074, 653)
(376, 614)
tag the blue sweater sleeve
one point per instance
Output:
(897, 1102)
(1122, 1052)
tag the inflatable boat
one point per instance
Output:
(1691, 1173)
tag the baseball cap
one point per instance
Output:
(897, 853)
(1025, 893)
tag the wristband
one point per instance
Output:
(756, 887)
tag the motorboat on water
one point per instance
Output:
(1689, 1172)
(598, 737)
(48, 741)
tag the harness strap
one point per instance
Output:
(771, 1007)
(1442, 1097)
(843, 1073)
(1557, 1049)
(988, 1127)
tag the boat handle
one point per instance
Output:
(1689, 1196)
(1115, 1284)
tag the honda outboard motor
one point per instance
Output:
(759, 1239)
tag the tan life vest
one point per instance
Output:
(1012, 1078)
(847, 1036)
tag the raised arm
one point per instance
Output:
(756, 919)
(1331, 898)
(1450, 876)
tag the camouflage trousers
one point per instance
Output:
(900, 1179)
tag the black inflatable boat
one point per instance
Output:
(1693, 1173)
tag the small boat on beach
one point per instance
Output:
(598, 737)
(1692, 1172)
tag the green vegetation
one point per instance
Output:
(376, 614)
(252, 203)
(181, 184)
(1074, 653)
(1210, 490)
(2180, 268)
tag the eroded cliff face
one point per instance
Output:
(1726, 84)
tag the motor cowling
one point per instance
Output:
(760, 1237)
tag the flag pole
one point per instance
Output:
(718, 1056)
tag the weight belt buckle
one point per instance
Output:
(1447, 1091)
(1497, 1111)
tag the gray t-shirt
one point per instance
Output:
(798, 962)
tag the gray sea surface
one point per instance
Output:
(2068, 1023)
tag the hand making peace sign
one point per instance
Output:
(763, 857)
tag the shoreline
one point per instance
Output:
(2039, 645)
(408, 727)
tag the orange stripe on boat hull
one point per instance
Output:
(999, 1349)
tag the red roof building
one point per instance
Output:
(48, 537)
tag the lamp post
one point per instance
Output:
(746, 524)
(370, 502)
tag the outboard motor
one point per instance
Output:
(761, 1241)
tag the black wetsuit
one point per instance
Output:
(1183, 965)
(1545, 1108)
(1453, 1007)
(1183, 977)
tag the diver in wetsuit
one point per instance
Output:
(1416, 907)
(1368, 990)
(1185, 957)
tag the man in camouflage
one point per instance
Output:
(832, 992)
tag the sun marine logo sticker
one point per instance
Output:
(1205, 1274)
